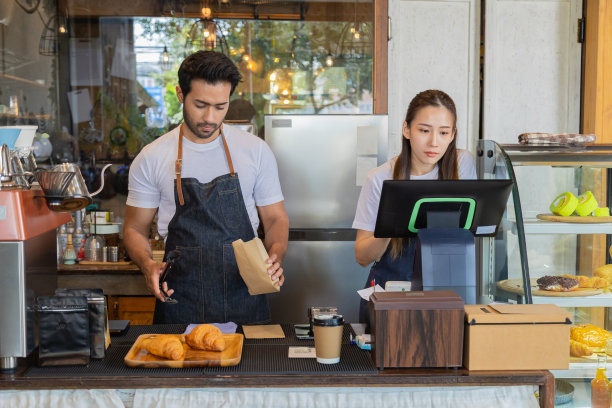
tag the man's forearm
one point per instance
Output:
(137, 246)
(277, 235)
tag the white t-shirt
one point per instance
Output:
(152, 175)
(369, 198)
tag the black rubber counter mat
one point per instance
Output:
(262, 360)
(259, 356)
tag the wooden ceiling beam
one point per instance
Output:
(318, 11)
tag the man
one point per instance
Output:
(212, 184)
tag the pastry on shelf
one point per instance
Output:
(557, 283)
(596, 339)
(206, 337)
(604, 271)
(589, 282)
(578, 349)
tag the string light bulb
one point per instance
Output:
(165, 56)
(206, 12)
(164, 59)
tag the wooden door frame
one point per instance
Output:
(380, 82)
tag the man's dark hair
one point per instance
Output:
(211, 66)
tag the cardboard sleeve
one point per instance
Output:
(251, 257)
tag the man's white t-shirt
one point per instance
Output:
(151, 183)
(369, 198)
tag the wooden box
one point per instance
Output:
(417, 329)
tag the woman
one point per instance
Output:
(429, 151)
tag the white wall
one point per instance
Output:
(434, 45)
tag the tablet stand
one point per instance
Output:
(448, 261)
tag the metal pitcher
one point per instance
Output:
(76, 195)
(6, 176)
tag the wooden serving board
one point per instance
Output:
(139, 357)
(574, 219)
(516, 286)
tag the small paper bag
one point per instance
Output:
(251, 257)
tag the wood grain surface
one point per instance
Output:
(574, 219)
(516, 286)
(139, 357)
(118, 263)
(419, 338)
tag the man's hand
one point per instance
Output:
(276, 229)
(152, 271)
(275, 270)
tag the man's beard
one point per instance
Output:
(193, 126)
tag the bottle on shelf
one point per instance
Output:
(69, 254)
(600, 385)
(79, 236)
(62, 239)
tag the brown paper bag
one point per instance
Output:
(251, 257)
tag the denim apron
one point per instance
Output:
(389, 269)
(205, 277)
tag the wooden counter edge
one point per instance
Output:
(543, 379)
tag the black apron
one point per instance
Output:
(390, 269)
(205, 277)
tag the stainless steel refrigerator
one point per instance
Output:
(322, 163)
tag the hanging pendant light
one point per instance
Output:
(164, 59)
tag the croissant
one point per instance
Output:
(604, 271)
(578, 349)
(206, 337)
(589, 282)
(590, 335)
(165, 345)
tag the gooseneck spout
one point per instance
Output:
(101, 180)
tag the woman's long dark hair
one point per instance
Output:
(447, 166)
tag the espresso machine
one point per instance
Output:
(27, 259)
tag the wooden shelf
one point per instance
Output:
(87, 269)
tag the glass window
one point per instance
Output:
(124, 70)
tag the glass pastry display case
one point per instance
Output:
(533, 242)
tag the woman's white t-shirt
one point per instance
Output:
(151, 180)
(369, 198)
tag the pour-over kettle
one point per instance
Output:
(75, 195)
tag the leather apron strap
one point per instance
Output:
(178, 165)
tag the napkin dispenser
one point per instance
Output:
(417, 329)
